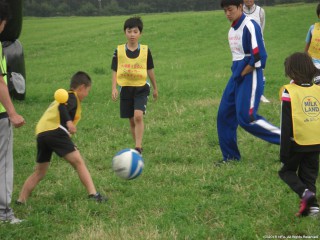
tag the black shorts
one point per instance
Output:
(133, 98)
(57, 141)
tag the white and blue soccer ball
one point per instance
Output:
(127, 164)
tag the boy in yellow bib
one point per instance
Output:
(132, 63)
(300, 131)
(313, 44)
(312, 41)
(54, 135)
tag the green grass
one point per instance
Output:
(180, 194)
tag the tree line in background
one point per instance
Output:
(50, 8)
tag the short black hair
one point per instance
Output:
(80, 78)
(133, 22)
(226, 3)
(299, 67)
(4, 10)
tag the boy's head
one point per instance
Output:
(232, 9)
(227, 3)
(248, 3)
(299, 67)
(133, 22)
(4, 14)
(81, 84)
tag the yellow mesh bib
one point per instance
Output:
(50, 120)
(314, 48)
(305, 104)
(132, 71)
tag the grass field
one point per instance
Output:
(180, 194)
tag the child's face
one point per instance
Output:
(133, 35)
(233, 12)
(83, 91)
(248, 3)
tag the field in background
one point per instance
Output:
(180, 194)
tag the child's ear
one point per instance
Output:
(80, 87)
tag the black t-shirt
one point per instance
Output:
(68, 111)
(131, 54)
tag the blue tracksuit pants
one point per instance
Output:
(239, 106)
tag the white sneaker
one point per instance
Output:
(313, 211)
(12, 220)
(264, 99)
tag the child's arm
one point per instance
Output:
(16, 119)
(262, 19)
(308, 39)
(286, 127)
(67, 113)
(114, 86)
(152, 77)
(66, 119)
(71, 127)
(306, 48)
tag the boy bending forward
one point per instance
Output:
(54, 135)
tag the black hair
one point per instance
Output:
(80, 78)
(4, 11)
(133, 22)
(226, 3)
(318, 10)
(299, 67)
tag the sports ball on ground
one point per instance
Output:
(61, 95)
(127, 164)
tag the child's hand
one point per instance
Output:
(114, 94)
(155, 94)
(71, 127)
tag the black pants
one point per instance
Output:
(300, 171)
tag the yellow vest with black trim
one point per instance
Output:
(3, 66)
(132, 71)
(314, 48)
(50, 120)
(305, 105)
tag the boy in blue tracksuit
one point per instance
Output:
(240, 101)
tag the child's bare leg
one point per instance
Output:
(75, 159)
(133, 128)
(33, 180)
(139, 127)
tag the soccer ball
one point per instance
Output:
(127, 164)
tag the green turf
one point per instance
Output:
(180, 194)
